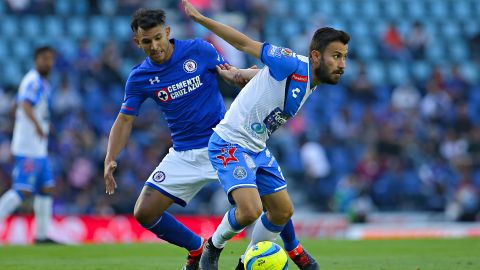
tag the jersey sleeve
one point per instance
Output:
(210, 55)
(31, 92)
(132, 100)
(281, 61)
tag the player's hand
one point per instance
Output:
(232, 75)
(110, 184)
(39, 131)
(191, 11)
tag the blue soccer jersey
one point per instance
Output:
(185, 88)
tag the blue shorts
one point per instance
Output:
(238, 167)
(32, 174)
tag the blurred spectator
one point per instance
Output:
(361, 88)
(393, 44)
(417, 41)
(406, 98)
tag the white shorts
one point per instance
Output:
(182, 174)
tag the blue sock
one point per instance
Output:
(288, 236)
(168, 228)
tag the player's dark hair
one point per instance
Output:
(326, 35)
(41, 50)
(147, 19)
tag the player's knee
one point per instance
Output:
(249, 214)
(145, 216)
(281, 216)
(24, 194)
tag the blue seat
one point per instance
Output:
(451, 30)
(63, 7)
(470, 71)
(398, 73)
(13, 74)
(462, 9)
(31, 26)
(370, 9)
(99, 27)
(22, 50)
(54, 26)
(392, 9)
(439, 10)
(76, 27)
(416, 10)
(10, 26)
(302, 9)
(458, 51)
(376, 72)
(4, 50)
(421, 70)
(348, 9)
(121, 28)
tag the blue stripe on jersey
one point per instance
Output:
(186, 90)
(295, 89)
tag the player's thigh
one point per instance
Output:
(151, 203)
(249, 204)
(233, 166)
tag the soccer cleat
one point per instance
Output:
(194, 258)
(210, 256)
(303, 259)
(240, 265)
(47, 241)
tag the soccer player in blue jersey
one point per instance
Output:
(248, 172)
(179, 75)
(32, 173)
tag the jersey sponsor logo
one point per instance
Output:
(158, 177)
(239, 173)
(258, 128)
(275, 51)
(163, 95)
(229, 157)
(154, 80)
(179, 89)
(299, 78)
(190, 66)
(275, 119)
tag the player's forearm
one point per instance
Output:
(249, 73)
(118, 138)
(234, 37)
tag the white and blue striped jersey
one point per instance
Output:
(273, 96)
(26, 142)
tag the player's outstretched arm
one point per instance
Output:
(116, 142)
(227, 33)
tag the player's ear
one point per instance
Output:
(315, 56)
(135, 39)
(167, 32)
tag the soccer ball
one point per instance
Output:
(265, 255)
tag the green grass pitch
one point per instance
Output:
(454, 254)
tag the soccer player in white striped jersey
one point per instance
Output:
(248, 172)
(32, 173)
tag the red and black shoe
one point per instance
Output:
(303, 259)
(193, 258)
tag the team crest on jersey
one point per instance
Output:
(287, 52)
(227, 156)
(163, 95)
(239, 173)
(190, 66)
(158, 176)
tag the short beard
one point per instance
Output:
(322, 75)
